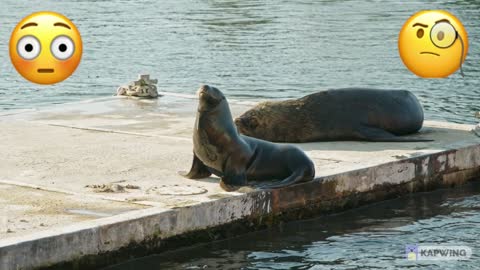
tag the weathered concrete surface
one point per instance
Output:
(55, 161)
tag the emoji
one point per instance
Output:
(45, 47)
(433, 44)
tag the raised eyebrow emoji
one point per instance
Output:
(420, 24)
(29, 25)
(443, 20)
(62, 25)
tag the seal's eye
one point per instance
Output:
(420, 33)
(62, 47)
(28, 47)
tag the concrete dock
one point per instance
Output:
(89, 184)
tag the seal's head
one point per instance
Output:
(252, 123)
(274, 121)
(209, 98)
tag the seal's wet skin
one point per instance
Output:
(219, 149)
(340, 114)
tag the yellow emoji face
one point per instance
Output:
(45, 47)
(433, 44)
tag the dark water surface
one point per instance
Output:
(248, 48)
(371, 237)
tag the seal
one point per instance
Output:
(337, 114)
(218, 148)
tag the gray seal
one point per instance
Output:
(219, 149)
(338, 114)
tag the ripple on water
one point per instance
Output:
(248, 48)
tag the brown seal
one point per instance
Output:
(341, 114)
(219, 149)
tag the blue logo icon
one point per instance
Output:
(411, 252)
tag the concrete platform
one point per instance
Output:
(88, 184)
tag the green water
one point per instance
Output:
(247, 48)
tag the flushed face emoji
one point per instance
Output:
(433, 44)
(45, 47)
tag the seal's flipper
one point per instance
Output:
(373, 134)
(228, 187)
(231, 182)
(233, 177)
(198, 170)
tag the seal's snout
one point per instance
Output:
(239, 123)
(203, 89)
(246, 125)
